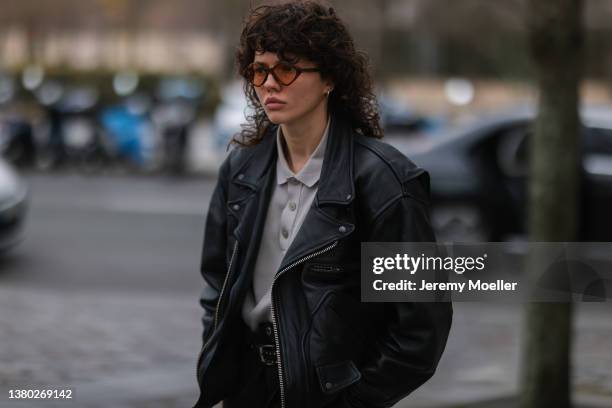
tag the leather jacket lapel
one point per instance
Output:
(321, 225)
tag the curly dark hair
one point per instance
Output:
(313, 31)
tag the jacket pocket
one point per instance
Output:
(325, 268)
(322, 275)
(336, 376)
(335, 333)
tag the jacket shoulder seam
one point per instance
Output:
(392, 201)
(385, 207)
(385, 159)
(382, 158)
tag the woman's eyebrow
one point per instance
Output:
(273, 64)
(264, 63)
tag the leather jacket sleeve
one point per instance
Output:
(416, 333)
(213, 263)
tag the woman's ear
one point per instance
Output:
(329, 87)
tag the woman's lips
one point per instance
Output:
(274, 105)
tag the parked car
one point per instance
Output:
(398, 118)
(13, 203)
(479, 176)
(17, 141)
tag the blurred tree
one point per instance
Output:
(556, 43)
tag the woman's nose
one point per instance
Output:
(271, 83)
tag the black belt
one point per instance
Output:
(262, 343)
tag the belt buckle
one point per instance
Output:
(267, 354)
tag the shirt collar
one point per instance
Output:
(309, 174)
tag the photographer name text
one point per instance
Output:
(423, 285)
(429, 264)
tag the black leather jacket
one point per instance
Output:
(333, 348)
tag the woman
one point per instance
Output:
(308, 182)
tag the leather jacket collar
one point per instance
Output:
(322, 224)
(336, 182)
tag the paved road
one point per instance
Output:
(102, 298)
(111, 233)
(102, 294)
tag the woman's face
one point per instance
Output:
(298, 99)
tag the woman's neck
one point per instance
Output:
(303, 136)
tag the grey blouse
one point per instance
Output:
(291, 199)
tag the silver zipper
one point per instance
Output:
(229, 268)
(274, 324)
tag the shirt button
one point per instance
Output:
(342, 229)
(285, 233)
(236, 207)
(328, 385)
(292, 206)
(240, 176)
(348, 197)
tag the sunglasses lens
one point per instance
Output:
(285, 73)
(256, 74)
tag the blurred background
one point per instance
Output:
(115, 115)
